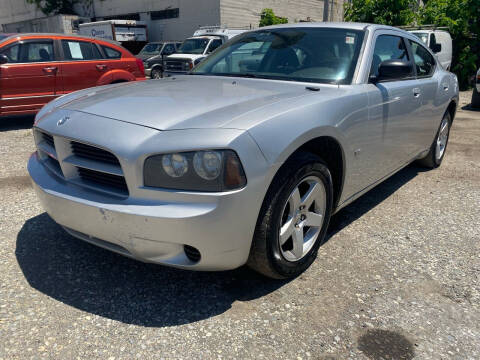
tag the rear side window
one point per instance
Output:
(80, 50)
(424, 61)
(111, 53)
(388, 47)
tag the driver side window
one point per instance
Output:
(388, 47)
(12, 53)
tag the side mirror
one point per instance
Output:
(392, 70)
(436, 48)
(3, 59)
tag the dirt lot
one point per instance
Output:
(398, 279)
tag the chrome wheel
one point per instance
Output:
(156, 74)
(302, 218)
(442, 139)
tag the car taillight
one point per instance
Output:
(141, 68)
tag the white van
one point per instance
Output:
(440, 42)
(196, 48)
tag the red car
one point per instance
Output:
(36, 68)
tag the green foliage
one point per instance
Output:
(268, 17)
(462, 17)
(388, 12)
(54, 7)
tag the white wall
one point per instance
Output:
(17, 10)
(236, 13)
(192, 14)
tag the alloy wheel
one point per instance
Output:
(442, 139)
(302, 218)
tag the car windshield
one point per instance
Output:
(151, 49)
(193, 46)
(323, 55)
(422, 36)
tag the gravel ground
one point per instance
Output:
(398, 279)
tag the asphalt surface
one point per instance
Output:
(398, 279)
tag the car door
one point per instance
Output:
(393, 103)
(83, 65)
(429, 115)
(28, 81)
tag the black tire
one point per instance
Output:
(156, 73)
(265, 255)
(475, 99)
(431, 161)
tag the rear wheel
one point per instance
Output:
(439, 146)
(475, 99)
(294, 218)
(156, 73)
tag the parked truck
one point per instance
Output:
(196, 48)
(132, 34)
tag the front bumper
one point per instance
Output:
(154, 225)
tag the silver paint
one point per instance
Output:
(380, 128)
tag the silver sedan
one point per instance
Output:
(244, 160)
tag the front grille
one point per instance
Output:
(93, 153)
(192, 253)
(94, 178)
(48, 139)
(177, 65)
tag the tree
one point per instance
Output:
(387, 12)
(462, 18)
(268, 17)
(54, 7)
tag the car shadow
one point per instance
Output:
(109, 285)
(470, 108)
(100, 282)
(372, 198)
(16, 123)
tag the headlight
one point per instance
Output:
(213, 170)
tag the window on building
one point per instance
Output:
(165, 14)
(80, 50)
(131, 16)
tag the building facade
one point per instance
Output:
(170, 19)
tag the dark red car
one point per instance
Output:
(36, 68)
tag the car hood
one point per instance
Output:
(186, 102)
(182, 56)
(146, 56)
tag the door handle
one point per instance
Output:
(445, 86)
(50, 70)
(416, 92)
(101, 67)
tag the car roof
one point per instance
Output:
(56, 35)
(336, 25)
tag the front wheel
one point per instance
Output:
(156, 73)
(294, 218)
(439, 146)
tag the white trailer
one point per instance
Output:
(132, 34)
